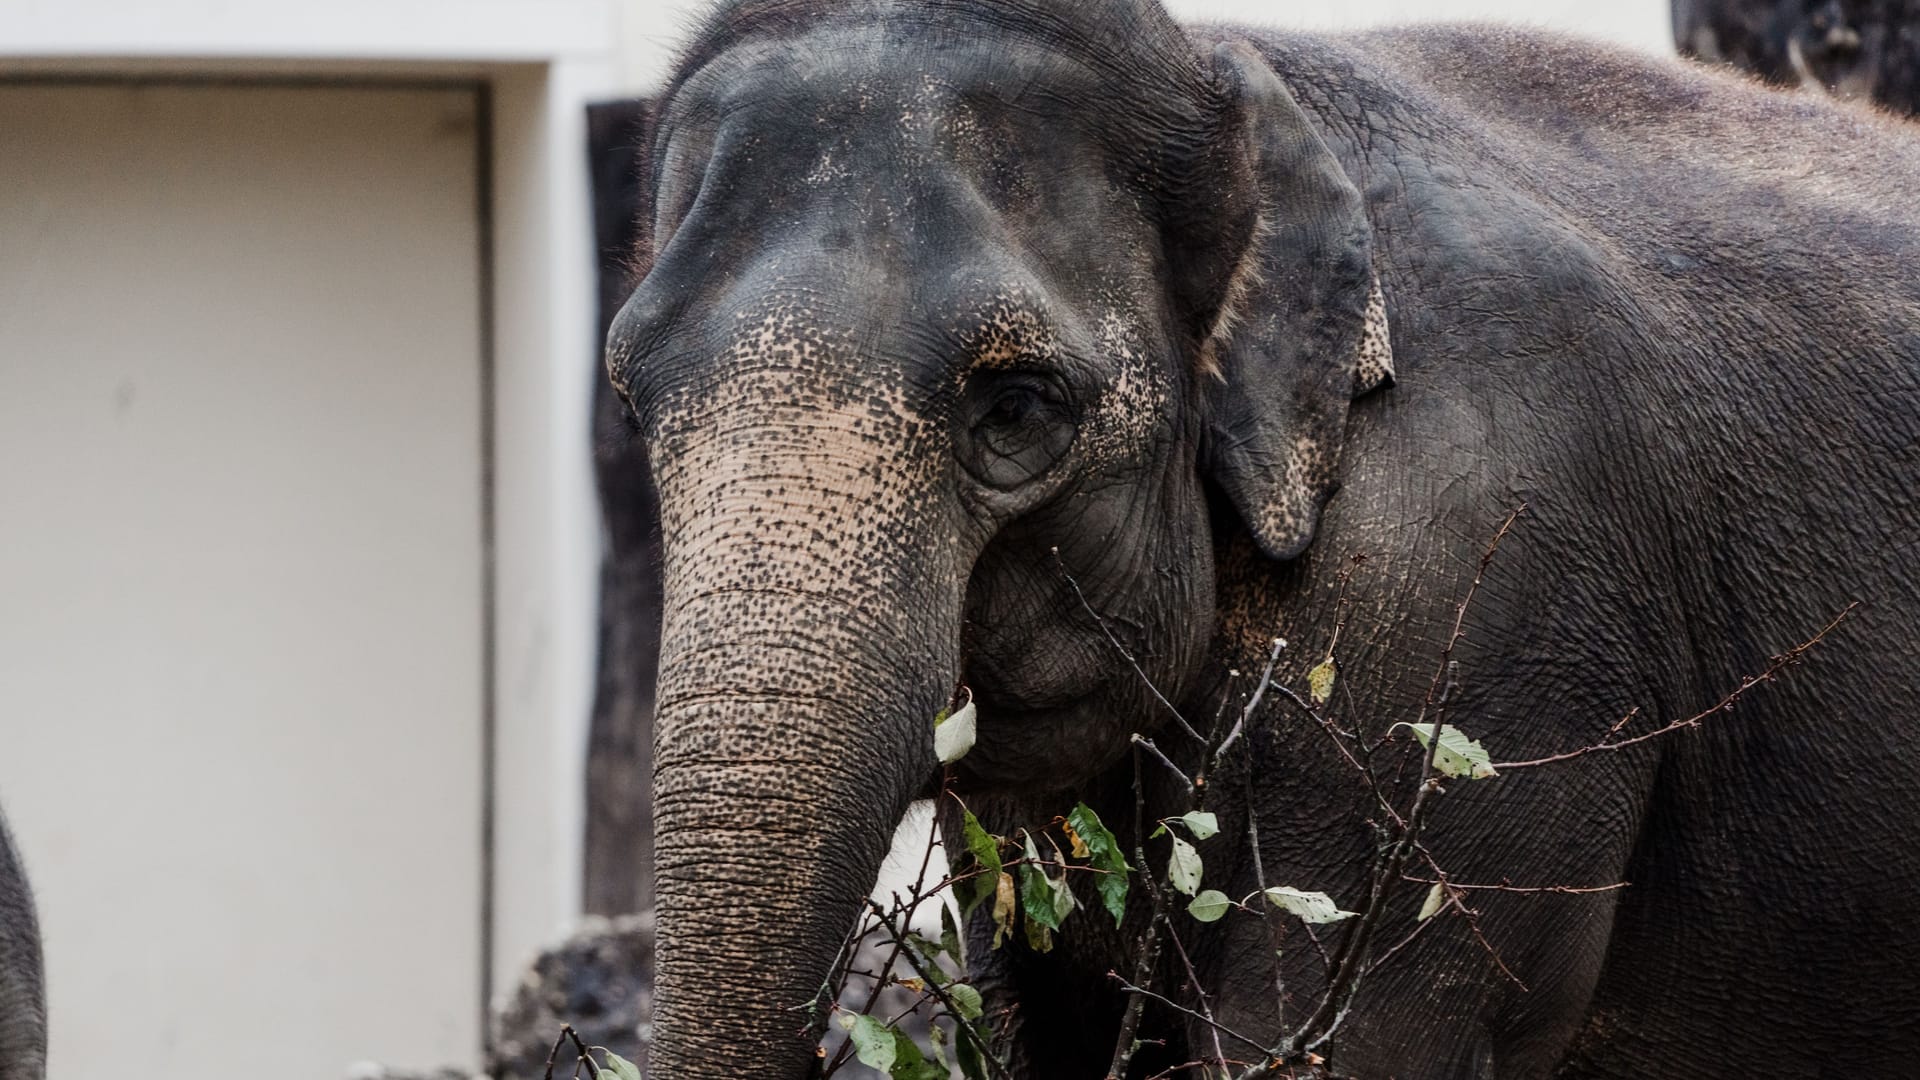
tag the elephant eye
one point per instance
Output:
(1018, 424)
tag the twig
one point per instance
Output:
(1381, 960)
(1200, 992)
(1218, 1028)
(1146, 744)
(1253, 703)
(1570, 890)
(1774, 667)
(586, 1058)
(1127, 656)
(554, 1054)
(1149, 955)
(1350, 963)
(1276, 927)
(933, 987)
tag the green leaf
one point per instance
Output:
(937, 1035)
(1039, 936)
(1103, 853)
(929, 950)
(950, 936)
(953, 735)
(967, 1053)
(1436, 899)
(1183, 867)
(985, 849)
(1458, 755)
(873, 1042)
(1209, 905)
(967, 1000)
(620, 1067)
(1003, 907)
(1063, 899)
(1320, 681)
(1036, 892)
(909, 1063)
(1203, 825)
(1312, 907)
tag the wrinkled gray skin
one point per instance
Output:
(938, 287)
(23, 1010)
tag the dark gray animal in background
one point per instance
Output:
(1867, 49)
(938, 287)
(23, 1009)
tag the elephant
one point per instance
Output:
(1065, 352)
(23, 1010)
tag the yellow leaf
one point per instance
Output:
(1077, 845)
(1320, 681)
(1003, 907)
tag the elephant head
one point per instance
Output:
(946, 302)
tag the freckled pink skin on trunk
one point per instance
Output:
(812, 611)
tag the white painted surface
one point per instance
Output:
(240, 571)
(544, 61)
(549, 525)
(465, 30)
(651, 30)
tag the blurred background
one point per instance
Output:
(301, 551)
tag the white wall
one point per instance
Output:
(542, 61)
(241, 570)
(650, 30)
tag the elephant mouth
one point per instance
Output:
(1039, 748)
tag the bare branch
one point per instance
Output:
(1569, 890)
(1200, 992)
(1253, 703)
(1124, 1045)
(1122, 650)
(1146, 744)
(1218, 1028)
(1774, 668)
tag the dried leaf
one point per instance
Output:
(1320, 681)
(1312, 907)
(1436, 899)
(1003, 907)
(1076, 846)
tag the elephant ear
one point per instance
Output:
(1301, 324)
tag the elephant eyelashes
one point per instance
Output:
(1017, 425)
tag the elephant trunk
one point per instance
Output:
(803, 659)
(23, 1015)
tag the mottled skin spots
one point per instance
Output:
(951, 300)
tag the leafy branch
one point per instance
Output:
(1024, 880)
